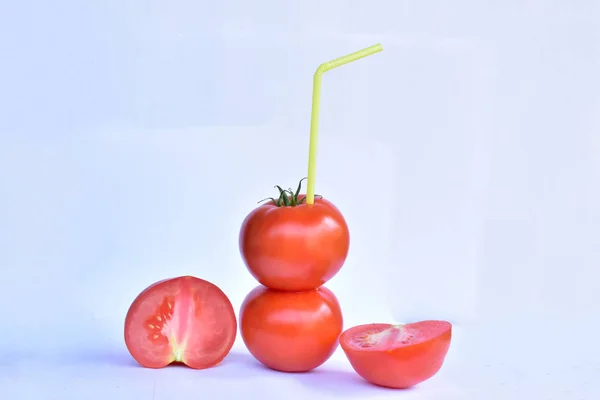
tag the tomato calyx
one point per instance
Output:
(287, 197)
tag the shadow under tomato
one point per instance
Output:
(236, 365)
(343, 383)
(101, 358)
(324, 380)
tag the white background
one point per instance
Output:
(136, 135)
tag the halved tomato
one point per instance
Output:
(185, 319)
(397, 356)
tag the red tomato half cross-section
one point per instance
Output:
(184, 319)
(397, 356)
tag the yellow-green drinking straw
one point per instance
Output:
(314, 119)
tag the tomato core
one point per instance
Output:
(394, 336)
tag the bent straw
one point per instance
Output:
(314, 119)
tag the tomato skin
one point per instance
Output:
(291, 331)
(183, 319)
(400, 366)
(294, 248)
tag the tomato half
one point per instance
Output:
(293, 246)
(291, 331)
(185, 319)
(397, 356)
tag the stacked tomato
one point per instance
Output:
(290, 322)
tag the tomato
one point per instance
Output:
(291, 331)
(397, 356)
(287, 244)
(184, 319)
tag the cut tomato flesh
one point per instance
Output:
(185, 319)
(377, 337)
(397, 356)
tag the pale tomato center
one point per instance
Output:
(394, 336)
(169, 324)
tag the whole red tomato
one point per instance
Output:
(289, 245)
(397, 356)
(291, 331)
